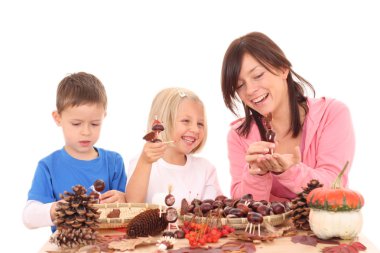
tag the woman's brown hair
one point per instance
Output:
(270, 56)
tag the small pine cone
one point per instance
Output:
(76, 219)
(184, 207)
(299, 207)
(146, 223)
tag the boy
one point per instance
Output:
(81, 107)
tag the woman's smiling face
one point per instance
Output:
(259, 88)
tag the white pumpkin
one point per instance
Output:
(327, 224)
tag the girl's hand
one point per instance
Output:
(255, 154)
(112, 196)
(278, 163)
(153, 151)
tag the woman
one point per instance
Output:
(313, 137)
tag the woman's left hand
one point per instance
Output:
(278, 163)
(112, 196)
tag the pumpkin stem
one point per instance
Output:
(338, 181)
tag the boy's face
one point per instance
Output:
(81, 129)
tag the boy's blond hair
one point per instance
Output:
(79, 89)
(165, 106)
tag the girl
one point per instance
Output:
(170, 162)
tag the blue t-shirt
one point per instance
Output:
(59, 172)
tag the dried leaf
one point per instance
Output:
(238, 247)
(89, 249)
(305, 239)
(359, 246)
(207, 249)
(328, 241)
(131, 244)
(244, 236)
(354, 247)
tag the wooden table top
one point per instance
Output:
(282, 244)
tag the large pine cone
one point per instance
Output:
(147, 223)
(299, 207)
(76, 219)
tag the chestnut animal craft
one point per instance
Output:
(153, 136)
(270, 135)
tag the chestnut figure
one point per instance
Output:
(253, 219)
(99, 185)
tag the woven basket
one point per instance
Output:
(241, 223)
(127, 212)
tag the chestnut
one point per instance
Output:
(179, 234)
(171, 215)
(244, 208)
(263, 210)
(169, 200)
(255, 205)
(205, 207)
(218, 204)
(278, 208)
(210, 201)
(168, 234)
(229, 202)
(226, 210)
(196, 202)
(247, 196)
(99, 185)
(237, 212)
(220, 198)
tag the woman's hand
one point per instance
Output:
(112, 196)
(153, 151)
(278, 163)
(255, 155)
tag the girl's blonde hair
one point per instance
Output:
(165, 106)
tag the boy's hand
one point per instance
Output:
(112, 196)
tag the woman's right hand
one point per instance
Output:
(153, 151)
(256, 154)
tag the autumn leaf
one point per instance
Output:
(354, 247)
(305, 239)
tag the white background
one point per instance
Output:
(139, 47)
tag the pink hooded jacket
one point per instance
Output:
(328, 142)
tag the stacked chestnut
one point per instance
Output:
(233, 208)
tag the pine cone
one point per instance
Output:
(146, 223)
(299, 207)
(76, 219)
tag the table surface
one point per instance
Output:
(282, 244)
